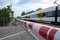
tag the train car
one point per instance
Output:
(46, 15)
(51, 15)
(58, 14)
(34, 16)
(25, 17)
(31, 17)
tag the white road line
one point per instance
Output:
(12, 35)
(6, 27)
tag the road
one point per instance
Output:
(14, 33)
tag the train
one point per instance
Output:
(51, 14)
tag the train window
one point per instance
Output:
(44, 14)
(33, 16)
(26, 17)
(39, 15)
(49, 14)
(58, 13)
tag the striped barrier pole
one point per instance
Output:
(47, 32)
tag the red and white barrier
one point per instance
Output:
(47, 32)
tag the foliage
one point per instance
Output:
(38, 9)
(4, 16)
(13, 22)
(23, 13)
(12, 13)
(30, 12)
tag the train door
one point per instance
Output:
(40, 15)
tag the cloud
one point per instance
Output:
(19, 6)
(30, 6)
(46, 0)
(16, 1)
(58, 1)
(4, 3)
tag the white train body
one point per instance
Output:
(47, 15)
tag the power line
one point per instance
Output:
(55, 2)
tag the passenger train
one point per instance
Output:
(51, 14)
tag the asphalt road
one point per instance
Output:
(14, 33)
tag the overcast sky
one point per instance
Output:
(19, 6)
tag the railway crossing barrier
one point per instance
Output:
(45, 31)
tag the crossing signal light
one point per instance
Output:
(8, 7)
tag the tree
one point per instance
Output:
(38, 9)
(12, 13)
(23, 13)
(30, 12)
(4, 16)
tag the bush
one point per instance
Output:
(4, 16)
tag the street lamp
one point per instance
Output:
(56, 10)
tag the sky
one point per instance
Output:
(19, 6)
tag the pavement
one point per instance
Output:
(16, 32)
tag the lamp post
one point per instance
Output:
(56, 10)
(10, 10)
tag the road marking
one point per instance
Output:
(12, 35)
(6, 27)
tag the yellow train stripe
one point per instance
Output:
(40, 16)
(40, 19)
